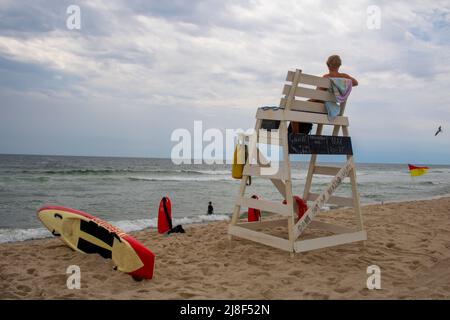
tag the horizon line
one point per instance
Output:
(192, 159)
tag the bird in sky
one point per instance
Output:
(438, 131)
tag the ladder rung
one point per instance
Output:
(326, 170)
(264, 205)
(255, 171)
(298, 116)
(340, 201)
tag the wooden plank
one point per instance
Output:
(269, 137)
(298, 116)
(310, 93)
(314, 94)
(330, 227)
(303, 223)
(281, 187)
(355, 193)
(340, 201)
(310, 79)
(287, 168)
(306, 106)
(335, 240)
(264, 205)
(326, 170)
(312, 164)
(290, 93)
(264, 224)
(265, 172)
(286, 90)
(259, 237)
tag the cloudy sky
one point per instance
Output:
(137, 70)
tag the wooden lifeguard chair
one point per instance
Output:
(300, 110)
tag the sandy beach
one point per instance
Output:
(409, 241)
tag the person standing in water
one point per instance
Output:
(210, 208)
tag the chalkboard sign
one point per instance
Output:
(267, 124)
(314, 144)
(270, 125)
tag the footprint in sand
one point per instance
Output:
(205, 271)
(187, 295)
(100, 277)
(31, 271)
(317, 296)
(364, 292)
(143, 291)
(268, 294)
(296, 273)
(23, 290)
(343, 289)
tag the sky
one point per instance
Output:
(137, 70)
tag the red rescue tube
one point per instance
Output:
(254, 214)
(164, 215)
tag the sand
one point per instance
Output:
(409, 241)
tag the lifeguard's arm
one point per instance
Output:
(354, 81)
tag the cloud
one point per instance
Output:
(219, 60)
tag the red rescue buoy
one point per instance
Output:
(302, 207)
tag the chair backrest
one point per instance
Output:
(301, 87)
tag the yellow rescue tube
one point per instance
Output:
(239, 157)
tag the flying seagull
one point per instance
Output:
(439, 131)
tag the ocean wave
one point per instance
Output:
(123, 171)
(179, 178)
(13, 235)
(136, 225)
(210, 172)
(79, 171)
(428, 183)
(34, 179)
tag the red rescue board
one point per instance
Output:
(88, 234)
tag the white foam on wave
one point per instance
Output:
(13, 235)
(179, 178)
(215, 172)
(135, 225)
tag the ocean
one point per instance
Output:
(126, 191)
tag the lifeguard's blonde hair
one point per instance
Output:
(334, 62)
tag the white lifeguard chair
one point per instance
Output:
(307, 111)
